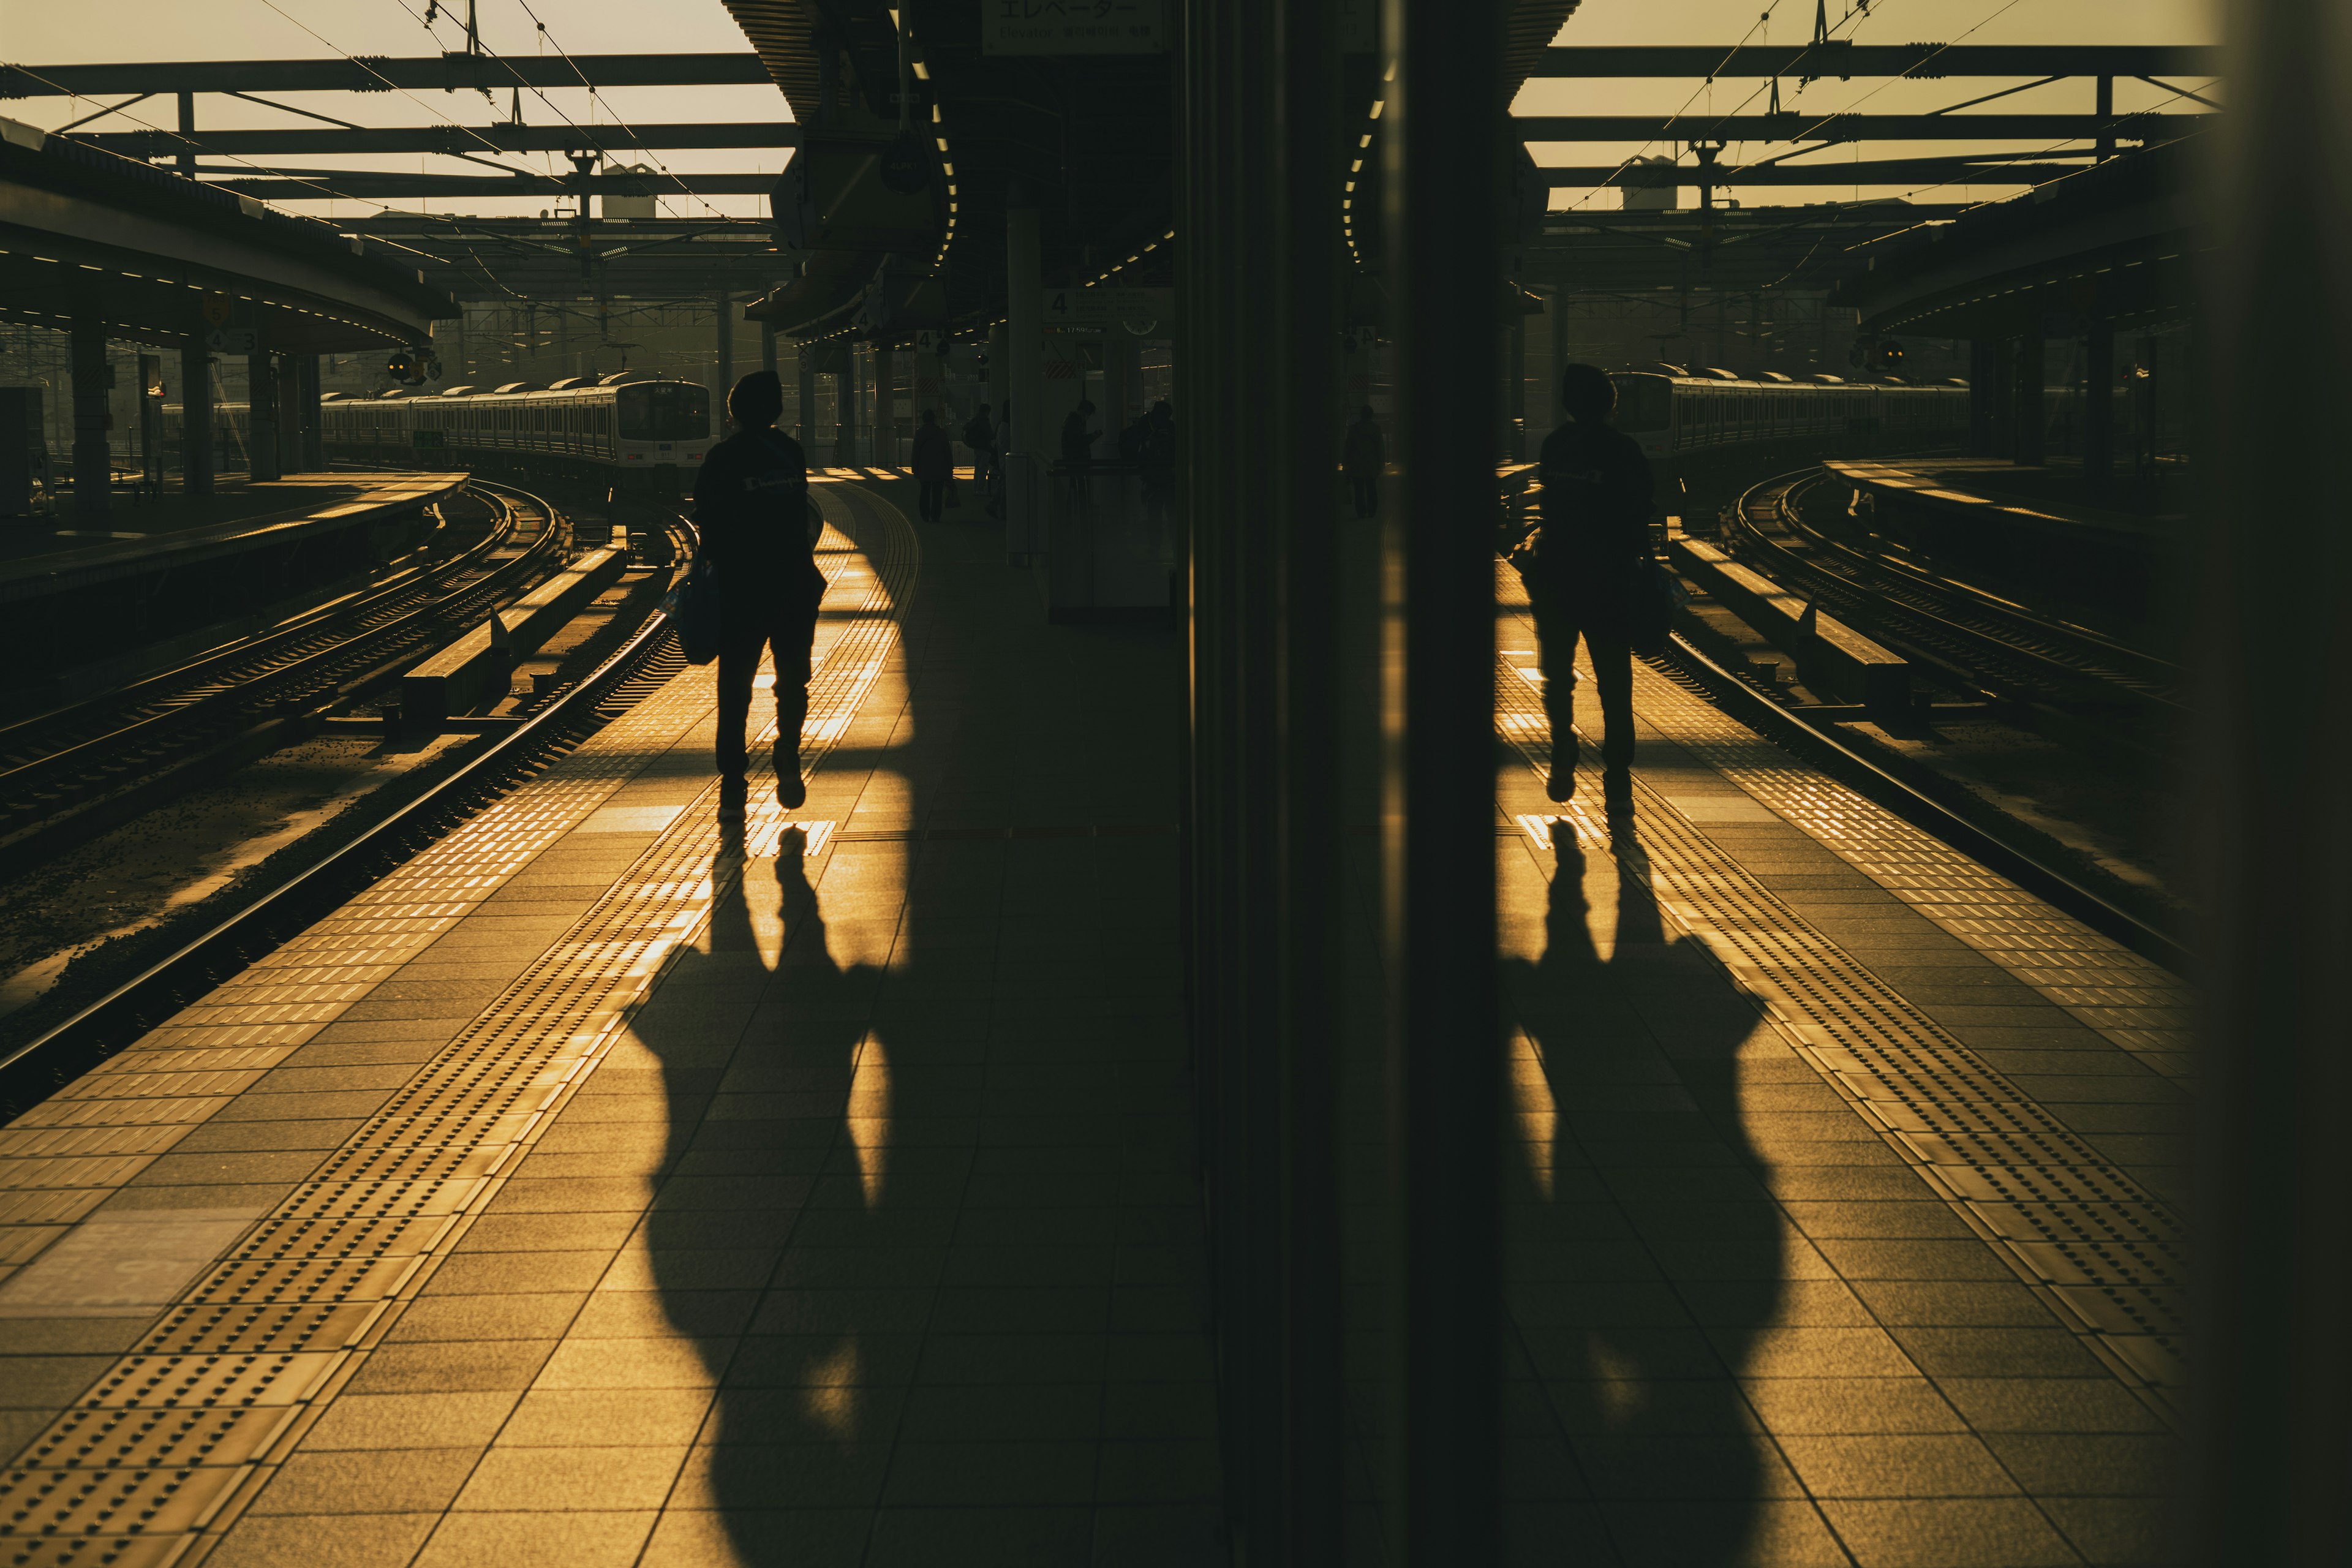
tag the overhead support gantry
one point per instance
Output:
(445, 139)
(454, 70)
(1924, 62)
(1792, 127)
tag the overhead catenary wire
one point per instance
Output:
(491, 55)
(196, 144)
(2177, 94)
(1851, 17)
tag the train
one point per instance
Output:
(1676, 413)
(631, 432)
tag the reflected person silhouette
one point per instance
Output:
(759, 1034)
(1673, 1250)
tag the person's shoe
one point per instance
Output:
(1562, 785)
(792, 790)
(734, 794)
(1617, 792)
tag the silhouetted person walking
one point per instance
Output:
(1365, 455)
(750, 501)
(1584, 566)
(934, 465)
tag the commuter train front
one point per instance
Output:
(636, 434)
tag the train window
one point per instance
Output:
(664, 411)
(1641, 402)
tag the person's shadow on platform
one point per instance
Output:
(790, 1452)
(1644, 1272)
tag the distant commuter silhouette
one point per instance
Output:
(980, 436)
(1362, 462)
(934, 465)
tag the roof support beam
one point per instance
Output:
(462, 70)
(1925, 61)
(447, 139)
(1853, 127)
(1876, 172)
(381, 75)
(384, 185)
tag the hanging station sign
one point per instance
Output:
(1107, 307)
(1073, 26)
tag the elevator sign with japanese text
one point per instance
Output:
(1073, 26)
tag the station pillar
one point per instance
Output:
(1024, 448)
(883, 450)
(2099, 408)
(1515, 390)
(312, 448)
(150, 426)
(852, 408)
(2028, 412)
(195, 419)
(805, 362)
(726, 311)
(2272, 819)
(768, 345)
(261, 416)
(2001, 397)
(93, 456)
(1981, 397)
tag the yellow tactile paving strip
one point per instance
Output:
(155, 1458)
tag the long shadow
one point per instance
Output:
(760, 1097)
(990, 1351)
(1645, 1262)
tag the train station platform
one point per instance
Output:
(606, 1186)
(44, 554)
(2046, 498)
(90, 606)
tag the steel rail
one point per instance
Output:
(261, 922)
(280, 664)
(1789, 728)
(1986, 641)
(2156, 675)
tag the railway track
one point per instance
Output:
(1974, 640)
(649, 656)
(69, 765)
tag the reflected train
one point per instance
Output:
(631, 433)
(1673, 412)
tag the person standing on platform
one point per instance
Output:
(1078, 447)
(981, 437)
(934, 465)
(996, 479)
(1585, 566)
(1363, 462)
(752, 504)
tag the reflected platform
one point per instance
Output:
(607, 1185)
